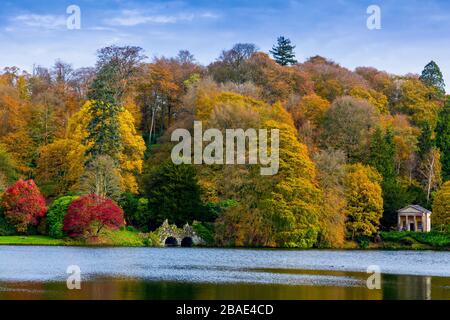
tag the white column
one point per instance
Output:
(399, 222)
(415, 223)
(407, 224)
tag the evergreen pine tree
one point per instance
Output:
(283, 52)
(395, 196)
(425, 141)
(103, 128)
(432, 76)
(443, 139)
(382, 151)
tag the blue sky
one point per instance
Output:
(413, 31)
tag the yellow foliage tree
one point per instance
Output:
(280, 210)
(310, 108)
(377, 99)
(60, 166)
(364, 200)
(441, 207)
(132, 150)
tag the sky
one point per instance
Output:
(412, 33)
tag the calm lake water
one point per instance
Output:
(28, 272)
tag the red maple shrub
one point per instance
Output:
(23, 205)
(89, 214)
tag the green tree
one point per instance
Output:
(441, 207)
(135, 210)
(283, 52)
(382, 158)
(55, 216)
(443, 139)
(432, 76)
(395, 197)
(173, 193)
(104, 128)
(116, 66)
(8, 170)
(425, 141)
(382, 153)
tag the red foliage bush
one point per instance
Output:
(23, 205)
(90, 214)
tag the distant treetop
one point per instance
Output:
(283, 52)
(432, 76)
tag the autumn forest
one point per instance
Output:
(87, 151)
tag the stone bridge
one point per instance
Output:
(172, 236)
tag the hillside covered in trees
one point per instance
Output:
(86, 150)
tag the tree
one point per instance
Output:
(185, 57)
(377, 99)
(432, 76)
(382, 153)
(8, 169)
(60, 166)
(23, 205)
(283, 52)
(331, 81)
(395, 196)
(277, 82)
(135, 210)
(90, 214)
(331, 172)
(233, 65)
(56, 214)
(430, 171)
(382, 158)
(102, 177)
(364, 200)
(103, 130)
(425, 140)
(441, 207)
(115, 65)
(443, 139)
(158, 93)
(310, 108)
(412, 97)
(173, 193)
(129, 160)
(293, 205)
(405, 138)
(347, 126)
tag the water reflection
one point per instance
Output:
(188, 273)
(393, 287)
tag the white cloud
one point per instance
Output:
(40, 21)
(131, 18)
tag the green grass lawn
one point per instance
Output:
(30, 240)
(123, 237)
(417, 240)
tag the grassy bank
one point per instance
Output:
(131, 238)
(119, 238)
(415, 240)
(31, 240)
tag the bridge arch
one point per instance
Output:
(171, 242)
(187, 242)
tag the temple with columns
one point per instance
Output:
(414, 218)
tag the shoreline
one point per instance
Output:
(46, 241)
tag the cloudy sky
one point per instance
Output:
(413, 31)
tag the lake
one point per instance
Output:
(30, 272)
